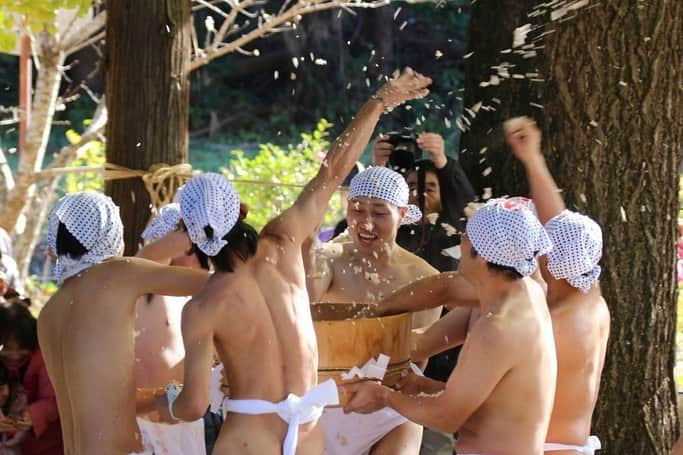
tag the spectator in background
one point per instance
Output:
(12, 406)
(439, 186)
(21, 356)
(8, 265)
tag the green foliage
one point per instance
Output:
(93, 155)
(35, 15)
(293, 165)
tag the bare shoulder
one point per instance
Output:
(418, 266)
(493, 334)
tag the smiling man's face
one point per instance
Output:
(373, 222)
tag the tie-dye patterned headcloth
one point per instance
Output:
(507, 233)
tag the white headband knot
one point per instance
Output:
(209, 200)
(577, 242)
(507, 233)
(383, 183)
(166, 221)
(94, 220)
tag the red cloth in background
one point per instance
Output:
(46, 436)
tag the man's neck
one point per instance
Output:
(559, 291)
(492, 291)
(382, 256)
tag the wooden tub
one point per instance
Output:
(347, 339)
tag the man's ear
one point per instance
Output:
(403, 212)
(244, 211)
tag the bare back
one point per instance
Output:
(86, 333)
(264, 335)
(513, 418)
(581, 325)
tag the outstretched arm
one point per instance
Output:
(154, 278)
(193, 400)
(449, 289)
(173, 244)
(523, 135)
(299, 221)
(448, 332)
(483, 362)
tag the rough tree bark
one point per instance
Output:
(148, 48)
(611, 108)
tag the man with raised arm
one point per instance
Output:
(255, 307)
(500, 394)
(86, 330)
(581, 319)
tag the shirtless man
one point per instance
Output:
(363, 267)
(86, 330)
(159, 350)
(255, 307)
(500, 394)
(581, 319)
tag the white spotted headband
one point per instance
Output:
(94, 220)
(507, 233)
(166, 221)
(209, 200)
(383, 183)
(577, 249)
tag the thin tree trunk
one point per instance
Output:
(610, 107)
(42, 202)
(148, 48)
(47, 85)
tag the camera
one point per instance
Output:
(405, 151)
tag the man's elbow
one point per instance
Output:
(190, 412)
(450, 424)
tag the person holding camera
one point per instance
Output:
(438, 185)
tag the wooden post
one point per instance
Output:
(25, 89)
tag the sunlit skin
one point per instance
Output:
(87, 336)
(267, 343)
(366, 269)
(505, 373)
(581, 321)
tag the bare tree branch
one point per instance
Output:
(80, 37)
(270, 25)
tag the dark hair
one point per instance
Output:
(422, 167)
(508, 272)
(242, 243)
(4, 375)
(67, 244)
(16, 321)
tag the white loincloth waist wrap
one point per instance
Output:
(591, 446)
(294, 410)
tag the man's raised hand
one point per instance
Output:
(410, 85)
(524, 137)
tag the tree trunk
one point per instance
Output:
(147, 90)
(24, 245)
(610, 108)
(31, 159)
